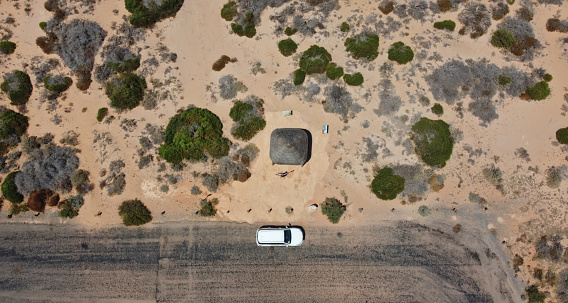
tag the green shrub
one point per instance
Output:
(126, 91)
(10, 190)
(249, 30)
(333, 209)
(504, 80)
(13, 123)
(503, 38)
(433, 141)
(535, 296)
(143, 16)
(237, 29)
(364, 45)
(438, 109)
(562, 135)
(67, 211)
(289, 31)
(315, 60)
(229, 10)
(387, 186)
(344, 27)
(287, 47)
(191, 133)
(208, 208)
(18, 86)
(353, 80)
(134, 212)
(42, 25)
(540, 91)
(7, 47)
(333, 71)
(57, 84)
(547, 77)
(446, 24)
(102, 113)
(400, 53)
(248, 120)
(126, 66)
(299, 77)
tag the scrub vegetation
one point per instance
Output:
(193, 135)
(333, 209)
(134, 212)
(433, 141)
(363, 46)
(248, 118)
(386, 185)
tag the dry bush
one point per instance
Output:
(476, 20)
(557, 25)
(38, 199)
(386, 7)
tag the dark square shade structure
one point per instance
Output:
(289, 146)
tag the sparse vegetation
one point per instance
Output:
(191, 133)
(333, 209)
(102, 113)
(539, 91)
(50, 168)
(433, 141)
(315, 60)
(503, 38)
(535, 296)
(248, 30)
(386, 185)
(125, 66)
(248, 118)
(287, 47)
(504, 80)
(147, 13)
(400, 53)
(208, 208)
(476, 20)
(299, 77)
(57, 84)
(126, 91)
(7, 47)
(195, 190)
(289, 31)
(18, 86)
(437, 109)
(229, 10)
(446, 24)
(353, 80)
(134, 212)
(364, 46)
(344, 27)
(10, 190)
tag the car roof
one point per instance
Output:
(271, 235)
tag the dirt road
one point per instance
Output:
(220, 262)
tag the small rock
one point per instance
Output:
(313, 207)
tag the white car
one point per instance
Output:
(279, 236)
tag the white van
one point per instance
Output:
(279, 236)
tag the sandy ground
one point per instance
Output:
(528, 210)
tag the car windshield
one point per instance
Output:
(287, 236)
